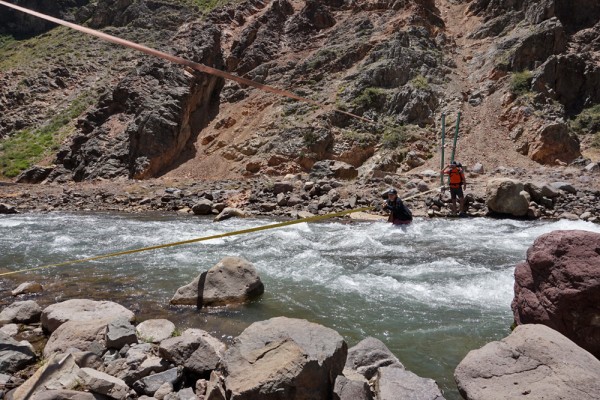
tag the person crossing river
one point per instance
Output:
(399, 212)
(457, 184)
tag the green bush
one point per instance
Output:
(588, 121)
(370, 98)
(521, 82)
(420, 82)
(393, 137)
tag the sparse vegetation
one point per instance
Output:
(393, 136)
(588, 121)
(310, 137)
(596, 141)
(362, 138)
(370, 98)
(23, 149)
(521, 82)
(420, 82)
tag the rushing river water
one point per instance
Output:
(431, 291)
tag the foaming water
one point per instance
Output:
(431, 291)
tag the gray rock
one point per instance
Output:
(99, 382)
(165, 389)
(564, 186)
(393, 383)
(10, 329)
(186, 394)
(150, 384)
(119, 333)
(535, 362)
(231, 280)
(58, 373)
(62, 394)
(550, 192)
(82, 310)
(79, 335)
(21, 311)
(347, 389)
(284, 358)
(282, 187)
(195, 349)
(507, 196)
(27, 287)
(202, 207)
(155, 330)
(369, 355)
(14, 355)
(478, 168)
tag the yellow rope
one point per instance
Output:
(202, 239)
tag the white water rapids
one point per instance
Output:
(431, 291)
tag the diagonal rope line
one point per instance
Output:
(205, 238)
(179, 60)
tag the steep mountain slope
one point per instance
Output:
(516, 70)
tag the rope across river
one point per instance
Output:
(206, 238)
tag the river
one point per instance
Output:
(431, 291)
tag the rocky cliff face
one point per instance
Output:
(517, 70)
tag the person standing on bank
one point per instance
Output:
(399, 213)
(457, 184)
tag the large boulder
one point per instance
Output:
(559, 286)
(231, 280)
(507, 196)
(82, 310)
(21, 311)
(533, 362)
(554, 143)
(78, 336)
(284, 358)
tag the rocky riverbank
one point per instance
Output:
(571, 193)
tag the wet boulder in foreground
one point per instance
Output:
(372, 360)
(82, 310)
(559, 286)
(533, 362)
(232, 280)
(282, 358)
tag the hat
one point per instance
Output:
(453, 163)
(392, 191)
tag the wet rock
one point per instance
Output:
(99, 382)
(507, 196)
(25, 312)
(7, 209)
(231, 280)
(534, 361)
(155, 330)
(229, 212)
(559, 286)
(27, 288)
(82, 310)
(284, 358)
(14, 355)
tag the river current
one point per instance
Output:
(431, 291)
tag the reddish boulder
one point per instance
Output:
(559, 286)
